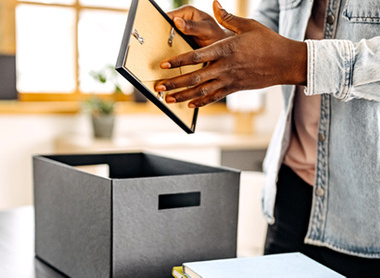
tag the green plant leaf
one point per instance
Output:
(107, 74)
(179, 3)
(95, 105)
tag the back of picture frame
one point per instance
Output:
(150, 37)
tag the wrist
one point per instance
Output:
(297, 71)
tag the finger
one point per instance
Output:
(234, 23)
(202, 55)
(210, 98)
(185, 12)
(195, 92)
(187, 80)
(193, 28)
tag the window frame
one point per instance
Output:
(77, 95)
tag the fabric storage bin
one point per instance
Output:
(149, 214)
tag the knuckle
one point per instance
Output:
(195, 79)
(206, 100)
(202, 92)
(187, 8)
(225, 50)
(175, 63)
(228, 49)
(196, 57)
(201, 103)
(189, 25)
(170, 85)
(215, 97)
(179, 97)
(228, 17)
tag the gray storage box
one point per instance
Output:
(150, 214)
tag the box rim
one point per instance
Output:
(219, 169)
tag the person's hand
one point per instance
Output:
(256, 57)
(198, 25)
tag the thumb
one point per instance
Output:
(234, 23)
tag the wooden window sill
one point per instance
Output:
(74, 107)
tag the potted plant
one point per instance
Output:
(102, 110)
(179, 3)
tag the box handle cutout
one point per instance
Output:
(179, 200)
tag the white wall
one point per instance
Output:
(21, 137)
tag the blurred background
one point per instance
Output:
(56, 76)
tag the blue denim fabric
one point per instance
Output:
(345, 69)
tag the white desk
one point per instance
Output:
(244, 152)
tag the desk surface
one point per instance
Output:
(17, 246)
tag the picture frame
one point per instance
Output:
(150, 36)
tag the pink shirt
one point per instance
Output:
(301, 155)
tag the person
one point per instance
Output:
(322, 194)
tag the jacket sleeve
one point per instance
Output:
(344, 69)
(267, 14)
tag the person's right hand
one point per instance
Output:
(255, 57)
(198, 25)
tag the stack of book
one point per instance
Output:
(290, 265)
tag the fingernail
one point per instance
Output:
(191, 105)
(170, 99)
(160, 88)
(179, 22)
(219, 6)
(166, 65)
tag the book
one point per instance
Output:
(289, 265)
(177, 272)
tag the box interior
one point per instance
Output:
(136, 165)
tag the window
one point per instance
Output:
(60, 42)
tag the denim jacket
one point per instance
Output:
(345, 69)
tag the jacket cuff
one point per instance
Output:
(330, 68)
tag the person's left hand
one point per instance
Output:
(256, 57)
